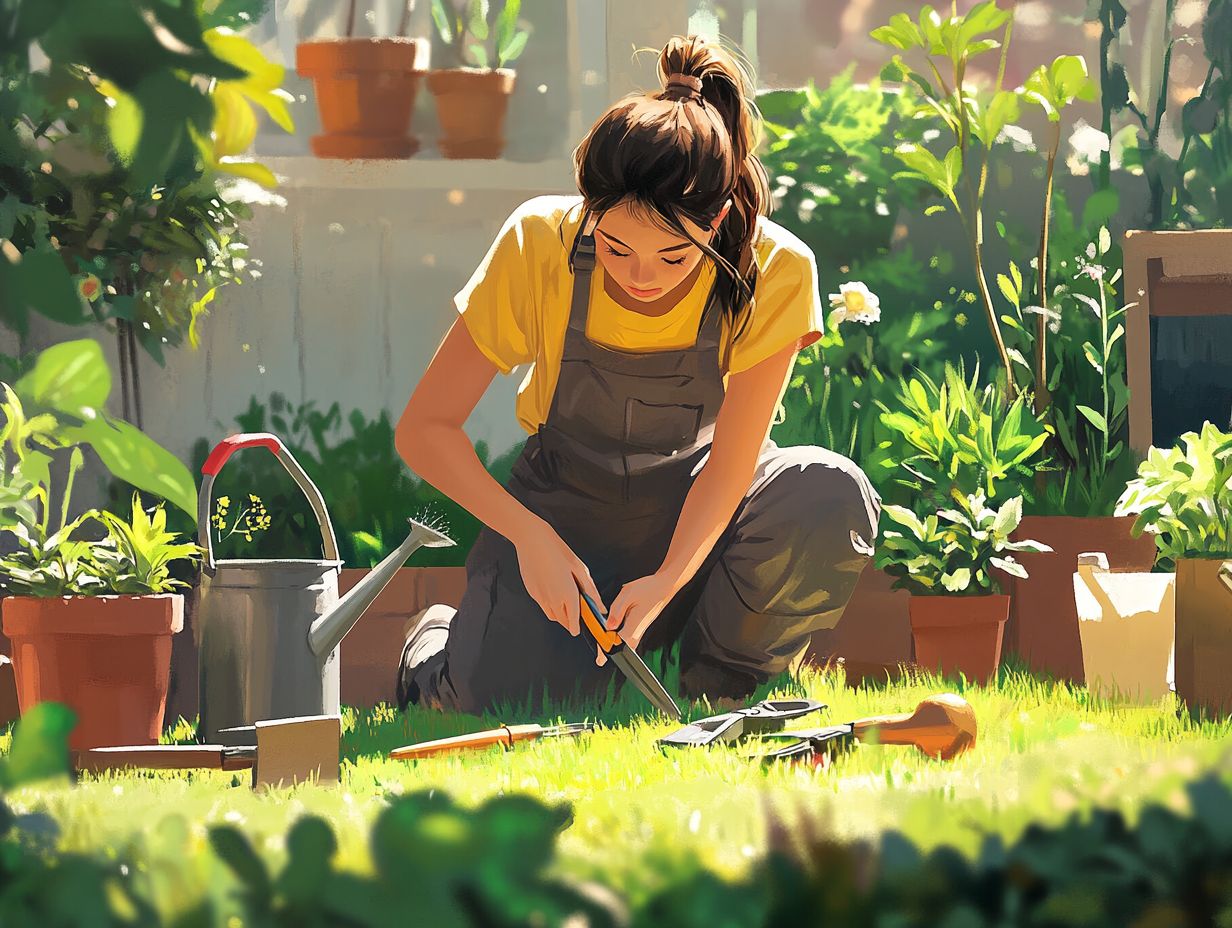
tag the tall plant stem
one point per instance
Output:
(1106, 35)
(1043, 396)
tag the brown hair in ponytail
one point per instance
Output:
(677, 153)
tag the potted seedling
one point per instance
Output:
(365, 90)
(947, 561)
(472, 95)
(1183, 496)
(90, 604)
(90, 621)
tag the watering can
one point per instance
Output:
(268, 631)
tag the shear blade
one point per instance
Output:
(635, 669)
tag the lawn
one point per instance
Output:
(642, 819)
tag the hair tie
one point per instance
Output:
(685, 82)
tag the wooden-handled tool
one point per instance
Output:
(285, 751)
(941, 726)
(506, 736)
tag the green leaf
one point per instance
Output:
(442, 19)
(1092, 357)
(1095, 418)
(124, 123)
(511, 52)
(506, 26)
(901, 33)
(1008, 517)
(134, 457)
(479, 54)
(1010, 566)
(1007, 289)
(69, 377)
(477, 18)
(958, 580)
(40, 745)
(40, 283)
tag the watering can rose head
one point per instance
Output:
(854, 303)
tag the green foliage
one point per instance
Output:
(954, 438)
(368, 489)
(57, 407)
(473, 38)
(40, 746)
(952, 552)
(1183, 496)
(111, 211)
(829, 155)
(62, 398)
(137, 553)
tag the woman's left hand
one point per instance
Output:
(638, 604)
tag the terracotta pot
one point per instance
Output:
(106, 657)
(873, 635)
(471, 106)
(959, 634)
(1043, 627)
(1204, 636)
(365, 90)
(371, 651)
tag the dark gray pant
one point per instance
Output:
(784, 568)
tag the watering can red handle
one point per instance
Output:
(214, 463)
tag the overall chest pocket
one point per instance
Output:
(659, 427)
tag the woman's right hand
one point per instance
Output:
(553, 575)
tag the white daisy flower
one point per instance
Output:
(855, 303)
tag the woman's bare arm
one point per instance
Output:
(430, 438)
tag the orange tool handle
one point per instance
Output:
(605, 639)
(505, 736)
(941, 726)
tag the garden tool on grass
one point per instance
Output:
(268, 631)
(941, 726)
(279, 752)
(769, 715)
(594, 623)
(506, 735)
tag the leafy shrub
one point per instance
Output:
(954, 438)
(953, 551)
(1183, 496)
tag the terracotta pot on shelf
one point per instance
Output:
(365, 91)
(1043, 627)
(959, 634)
(108, 658)
(1204, 636)
(471, 104)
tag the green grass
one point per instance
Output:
(643, 817)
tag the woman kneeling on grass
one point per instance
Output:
(662, 314)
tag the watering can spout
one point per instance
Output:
(328, 631)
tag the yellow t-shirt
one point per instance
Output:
(516, 304)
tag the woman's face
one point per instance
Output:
(646, 260)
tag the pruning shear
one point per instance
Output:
(769, 715)
(941, 726)
(594, 623)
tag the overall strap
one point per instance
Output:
(582, 262)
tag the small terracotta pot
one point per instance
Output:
(1043, 626)
(108, 658)
(365, 90)
(959, 634)
(471, 104)
(1204, 636)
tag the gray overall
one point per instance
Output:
(609, 470)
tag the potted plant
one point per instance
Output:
(472, 96)
(946, 560)
(365, 90)
(90, 621)
(1183, 497)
